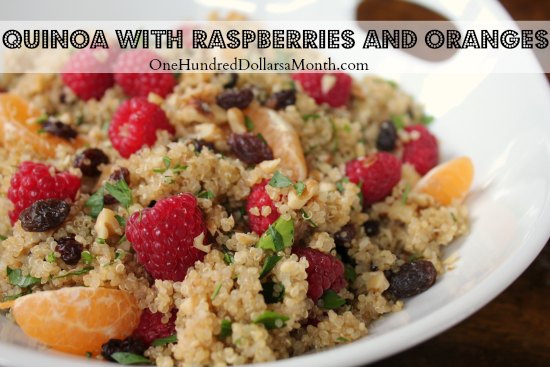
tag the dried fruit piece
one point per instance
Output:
(282, 99)
(239, 98)
(89, 161)
(129, 345)
(250, 148)
(58, 128)
(412, 279)
(69, 249)
(387, 137)
(43, 215)
(77, 319)
(449, 181)
(283, 140)
(372, 227)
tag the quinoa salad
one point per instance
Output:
(216, 219)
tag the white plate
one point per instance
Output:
(501, 121)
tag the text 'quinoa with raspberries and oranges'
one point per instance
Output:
(215, 219)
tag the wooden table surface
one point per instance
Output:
(512, 330)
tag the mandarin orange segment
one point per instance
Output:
(283, 140)
(448, 181)
(77, 320)
(18, 126)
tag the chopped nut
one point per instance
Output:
(208, 132)
(106, 224)
(246, 239)
(198, 243)
(376, 281)
(235, 118)
(155, 98)
(296, 201)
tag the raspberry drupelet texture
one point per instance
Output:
(163, 236)
(135, 124)
(88, 73)
(151, 327)
(37, 181)
(333, 89)
(422, 153)
(324, 272)
(377, 174)
(129, 75)
(259, 198)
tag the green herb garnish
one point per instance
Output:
(307, 218)
(120, 254)
(130, 358)
(2, 238)
(121, 192)
(79, 120)
(349, 273)
(271, 320)
(13, 297)
(100, 240)
(226, 329)
(86, 257)
(299, 187)
(16, 277)
(269, 264)
(398, 121)
(121, 221)
(340, 184)
(426, 120)
(279, 180)
(341, 339)
(164, 341)
(310, 116)
(96, 203)
(278, 236)
(405, 195)
(273, 292)
(227, 256)
(41, 119)
(216, 291)
(453, 217)
(206, 195)
(249, 124)
(82, 271)
(331, 300)
(51, 257)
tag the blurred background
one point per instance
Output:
(512, 330)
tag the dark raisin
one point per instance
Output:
(57, 128)
(281, 99)
(412, 279)
(344, 235)
(232, 79)
(70, 249)
(121, 173)
(134, 345)
(372, 227)
(373, 267)
(250, 148)
(152, 203)
(128, 345)
(239, 98)
(89, 160)
(199, 144)
(387, 136)
(44, 215)
(111, 347)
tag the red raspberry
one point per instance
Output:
(133, 74)
(135, 124)
(163, 236)
(151, 327)
(379, 173)
(336, 96)
(259, 198)
(88, 73)
(423, 152)
(35, 181)
(324, 272)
